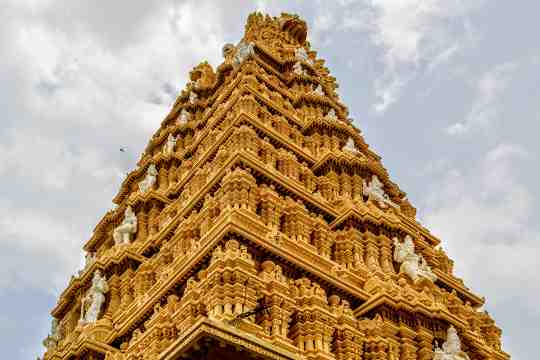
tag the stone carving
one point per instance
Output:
(193, 97)
(350, 146)
(89, 259)
(55, 336)
(331, 115)
(297, 69)
(183, 118)
(149, 180)
(243, 52)
(319, 91)
(122, 232)
(168, 149)
(415, 266)
(94, 299)
(374, 191)
(300, 54)
(451, 348)
(228, 51)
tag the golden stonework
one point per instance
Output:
(259, 224)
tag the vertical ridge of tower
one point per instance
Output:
(259, 222)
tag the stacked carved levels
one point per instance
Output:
(257, 193)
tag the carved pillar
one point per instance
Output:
(408, 345)
(153, 221)
(270, 205)
(163, 178)
(386, 254)
(114, 293)
(425, 340)
(126, 290)
(372, 251)
(142, 224)
(172, 173)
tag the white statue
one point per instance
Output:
(122, 232)
(297, 69)
(319, 91)
(93, 301)
(301, 55)
(415, 266)
(168, 149)
(149, 180)
(55, 336)
(374, 190)
(331, 115)
(451, 349)
(193, 97)
(350, 146)
(89, 259)
(183, 117)
(243, 52)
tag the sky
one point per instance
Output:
(446, 91)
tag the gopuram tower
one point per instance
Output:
(259, 225)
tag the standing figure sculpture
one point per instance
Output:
(122, 232)
(94, 299)
(415, 266)
(149, 180)
(374, 191)
(451, 349)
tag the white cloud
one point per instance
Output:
(415, 35)
(483, 215)
(485, 108)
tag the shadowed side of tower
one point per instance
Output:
(260, 224)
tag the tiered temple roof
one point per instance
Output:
(259, 222)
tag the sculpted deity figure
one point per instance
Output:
(300, 54)
(451, 349)
(149, 180)
(168, 149)
(94, 299)
(350, 146)
(297, 69)
(374, 190)
(55, 336)
(193, 97)
(331, 115)
(89, 259)
(243, 52)
(415, 266)
(183, 117)
(319, 91)
(122, 232)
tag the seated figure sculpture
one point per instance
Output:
(374, 191)
(451, 349)
(122, 232)
(94, 299)
(168, 149)
(350, 146)
(415, 266)
(149, 180)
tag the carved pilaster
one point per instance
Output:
(425, 347)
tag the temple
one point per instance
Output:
(258, 224)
